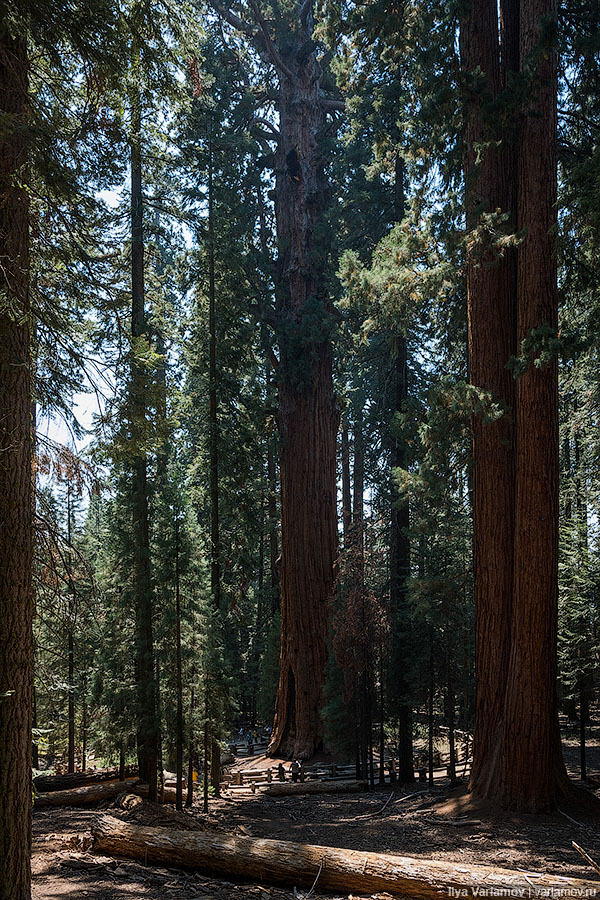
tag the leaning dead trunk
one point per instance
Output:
(280, 862)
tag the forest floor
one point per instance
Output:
(419, 821)
(414, 821)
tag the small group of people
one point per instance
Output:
(296, 770)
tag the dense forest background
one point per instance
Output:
(174, 153)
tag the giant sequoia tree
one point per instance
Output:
(307, 412)
(513, 306)
(16, 439)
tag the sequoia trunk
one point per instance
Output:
(307, 414)
(16, 494)
(515, 516)
(530, 727)
(491, 292)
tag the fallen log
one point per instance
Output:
(46, 784)
(315, 787)
(282, 862)
(97, 793)
(85, 796)
(169, 793)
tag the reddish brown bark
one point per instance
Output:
(515, 517)
(530, 727)
(491, 291)
(307, 416)
(16, 431)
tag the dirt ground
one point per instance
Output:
(417, 822)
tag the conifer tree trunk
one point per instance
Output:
(179, 679)
(516, 576)
(307, 414)
(147, 725)
(346, 497)
(70, 647)
(273, 540)
(215, 546)
(491, 292)
(215, 574)
(35, 753)
(530, 723)
(16, 496)
(189, 800)
(84, 723)
(399, 543)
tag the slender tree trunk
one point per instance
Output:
(147, 726)
(530, 724)
(381, 720)
(583, 714)
(430, 719)
(179, 727)
(16, 496)
(71, 701)
(491, 290)
(205, 768)
(346, 495)
(215, 573)
(272, 514)
(450, 709)
(307, 414)
(160, 769)
(215, 546)
(84, 723)
(400, 689)
(582, 545)
(70, 647)
(272, 521)
(35, 753)
(399, 572)
(189, 800)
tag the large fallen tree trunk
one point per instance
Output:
(315, 787)
(281, 862)
(45, 784)
(97, 793)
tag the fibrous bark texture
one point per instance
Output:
(512, 294)
(307, 414)
(16, 494)
(492, 302)
(530, 722)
